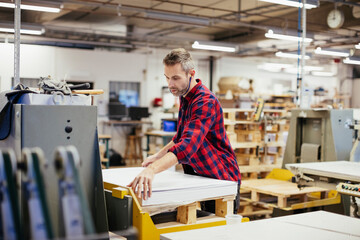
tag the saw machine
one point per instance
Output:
(342, 176)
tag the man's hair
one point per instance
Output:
(179, 55)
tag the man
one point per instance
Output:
(200, 144)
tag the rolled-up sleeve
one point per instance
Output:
(195, 130)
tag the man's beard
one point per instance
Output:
(178, 92)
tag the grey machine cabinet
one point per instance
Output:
(44, 126)
(327, 128)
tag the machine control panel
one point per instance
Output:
(349, 189)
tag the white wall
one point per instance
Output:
(263, 80)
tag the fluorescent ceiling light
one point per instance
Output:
(23, 31)
(323, 74)
(313, 68)
(178, 18)
(352, 60)
(269, 68)
(31, 7)
(271, 34)
(331, 52)
(290, 55)
(294, 70)
(291, 3)
(357, 46)
(197, 45)
(277, 65)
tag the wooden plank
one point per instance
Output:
(246, 144)
(90, 92)
(248, 209)
(187, 214)
(201, 220)
(255, 196)
(277, 187)
(224, 207)
(259, 168)
(282, 201)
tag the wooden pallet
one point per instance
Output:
(251, 209)
(281, 194)
(187, 214)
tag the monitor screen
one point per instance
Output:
(136, 113)
(129, 97)
(117, 111)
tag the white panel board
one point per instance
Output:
(171, 187)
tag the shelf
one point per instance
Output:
(261, 144)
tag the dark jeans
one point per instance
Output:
(209, 205)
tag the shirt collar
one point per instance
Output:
(192, 92)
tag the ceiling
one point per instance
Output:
(140, 25)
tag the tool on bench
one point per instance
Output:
(74, 206)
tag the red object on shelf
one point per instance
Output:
(158, 102)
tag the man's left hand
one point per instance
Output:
(143, 183)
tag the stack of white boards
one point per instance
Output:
(170, 187)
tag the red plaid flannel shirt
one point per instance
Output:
(201, 139)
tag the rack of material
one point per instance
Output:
(318, 225)
(258, 145)
(171, 190)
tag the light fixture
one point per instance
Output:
(23, 31)
(291, 3)
(323, 74)
(269, 69)
(271, 34)
(197, 45)
(357, 46)
(276, 65)
(178, 18)
(331, 52)
(31, 7)
(294, 70)
(313, 68)
(290, 55)
(352, 60)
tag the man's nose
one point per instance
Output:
(170, 84)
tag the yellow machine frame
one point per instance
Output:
(144, 224)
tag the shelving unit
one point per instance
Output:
(259, 145)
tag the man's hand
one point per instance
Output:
(143, 183)
(149, 160)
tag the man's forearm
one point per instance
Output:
(165, 149)
(165, 162)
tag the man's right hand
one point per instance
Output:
(149, 160)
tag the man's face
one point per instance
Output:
(177, 79)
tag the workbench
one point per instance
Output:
(318, 225)
(166, 138)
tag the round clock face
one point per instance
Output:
(335, 19)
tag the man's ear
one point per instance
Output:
(192, 72)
